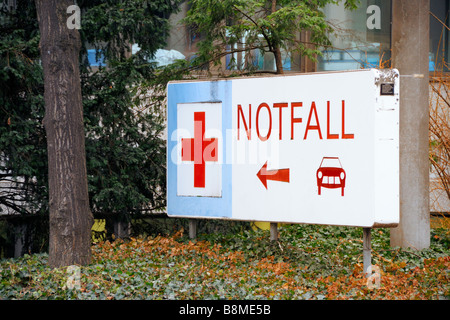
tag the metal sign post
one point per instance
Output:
(192, 229)
(367, 251)
(273, 231)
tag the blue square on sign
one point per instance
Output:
(198, 177)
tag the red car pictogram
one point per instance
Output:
(331, 174)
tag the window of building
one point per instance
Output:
(362, 37)
(256, 59)
(96, 58)
(439, 35)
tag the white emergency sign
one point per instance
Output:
(318, 148)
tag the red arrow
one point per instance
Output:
(275, 175)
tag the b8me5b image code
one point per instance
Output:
(246, 309)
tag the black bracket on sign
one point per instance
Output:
(387, 89)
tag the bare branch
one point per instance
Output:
(266, 37)
(434, 16)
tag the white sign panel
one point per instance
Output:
(317, 148)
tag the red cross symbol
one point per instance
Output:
(203, 149)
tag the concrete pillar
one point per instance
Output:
(273, 231)
(410, 42)
(192, 229)
(122, 229)
(20, 231)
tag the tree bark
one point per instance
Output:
(276, 47)
(278, 60)
(70, 216)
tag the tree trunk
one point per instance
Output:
(70, 216)
(276, 47)
(278, 60)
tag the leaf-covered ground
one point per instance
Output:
(309, 262)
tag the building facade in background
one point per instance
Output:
(362, 39)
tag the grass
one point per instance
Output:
(309, 262)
